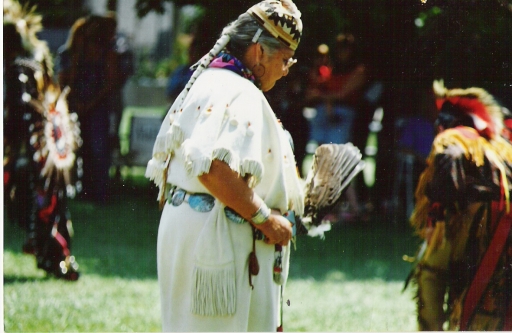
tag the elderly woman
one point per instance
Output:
(227, 175)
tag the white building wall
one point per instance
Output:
(97, 7)
(142, 33)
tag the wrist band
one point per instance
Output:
(262, 214)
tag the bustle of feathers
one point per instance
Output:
(333, 168)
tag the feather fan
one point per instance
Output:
(334, 166)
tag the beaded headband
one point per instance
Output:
(281, 19)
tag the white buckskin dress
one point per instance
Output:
(203, 257)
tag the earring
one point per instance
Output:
(258, 70)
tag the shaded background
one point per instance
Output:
(405, 44)
(466, 42)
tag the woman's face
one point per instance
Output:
(276, 66)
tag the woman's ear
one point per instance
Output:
(253, 55)
(260, 51)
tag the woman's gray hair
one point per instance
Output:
(242, 32)
(236, 37)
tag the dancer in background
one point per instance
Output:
(463, 213)
(40, 140)
(88, 64)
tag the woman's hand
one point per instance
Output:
(277, 229)
(232, 190)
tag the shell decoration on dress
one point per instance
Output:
(196, 163)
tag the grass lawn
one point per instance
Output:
(351, 281)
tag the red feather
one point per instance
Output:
(473, 107)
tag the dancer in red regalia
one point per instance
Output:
(464, 269)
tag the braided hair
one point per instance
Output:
(235, 38)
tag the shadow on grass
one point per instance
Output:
(356, 251)
(119, 240)
(11, 279)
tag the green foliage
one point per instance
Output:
(58, 13)
(189, 17)
(455, 34)
(186, 26)
(147, 67)
(165, 67)
(144, 7)
(474, 33)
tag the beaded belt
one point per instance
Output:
(204, 202)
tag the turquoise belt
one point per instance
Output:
(203, 203)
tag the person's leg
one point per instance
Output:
(432, 279)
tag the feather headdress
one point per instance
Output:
(487, 115)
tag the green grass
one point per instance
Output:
(338, 305)
(351, 281)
